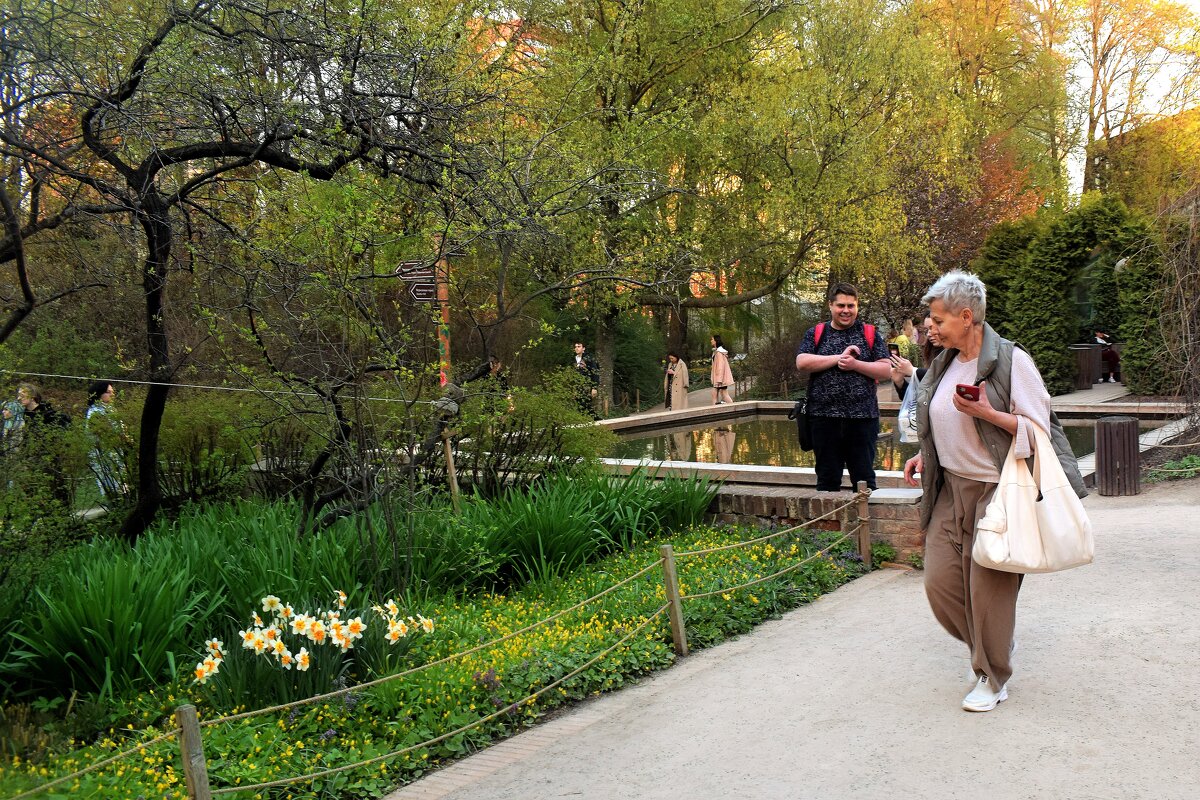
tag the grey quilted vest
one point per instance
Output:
(995, 364)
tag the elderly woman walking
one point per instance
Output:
(965, 437)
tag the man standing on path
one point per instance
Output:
(587, 367)
(844, 359)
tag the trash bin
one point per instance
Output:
(1118, 457)
(1087, 364)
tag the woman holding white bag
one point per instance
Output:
(978, 399)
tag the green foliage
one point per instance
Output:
(1054, 278)
(881, 552)
(638, 366)
(201, 572)
(205, 445)
(1142, 289)
(114, 619)
(506, 436)
(53, 343)
(1186, 467)
(1004, 252)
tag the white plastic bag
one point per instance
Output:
(907, 421)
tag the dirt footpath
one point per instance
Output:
(857, 695)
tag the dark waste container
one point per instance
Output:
(1087, 364)
(1118, 457)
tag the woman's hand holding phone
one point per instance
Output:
(971, 399)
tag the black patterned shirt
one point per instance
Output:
(837, 393)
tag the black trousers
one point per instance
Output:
(841, 444)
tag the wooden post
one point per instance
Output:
(674, 605)
(191, 744)
(1118, 460)
(864, 524)
(451, 475)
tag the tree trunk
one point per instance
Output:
(606, 355)
(677, 337)
(156, 224)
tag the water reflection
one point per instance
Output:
(771, 441)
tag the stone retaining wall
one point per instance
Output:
(895, 513)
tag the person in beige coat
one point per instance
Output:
(675, 383)
(722, 375)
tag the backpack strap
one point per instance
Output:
(869, 330)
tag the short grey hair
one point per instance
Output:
(958, 290)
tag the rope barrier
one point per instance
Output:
(171, 734)
(506, 710)
(774, 535)
(194, 386)
(378, 681)
(783, 571)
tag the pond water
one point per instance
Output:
(771, 441)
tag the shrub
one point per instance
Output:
(114, 620)
(505, 438)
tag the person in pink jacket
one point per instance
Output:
(722, 375)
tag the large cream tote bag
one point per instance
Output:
(1023, 532)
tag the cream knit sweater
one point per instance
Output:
(959, 448)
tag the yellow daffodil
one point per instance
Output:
(341, 598)
(301, 624)
(354, 628)
(317, 631)
(270, 604)
(258, 623)
(216, 647)
(303, 660)
(426, 623)
(392, 608)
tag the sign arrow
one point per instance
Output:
(423, 292)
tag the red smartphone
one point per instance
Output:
(967, 391)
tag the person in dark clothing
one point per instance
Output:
(843, 363)
(1110, 359)
(37, 410)
(586, 366)
(41, 448)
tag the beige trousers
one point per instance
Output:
(976, 605)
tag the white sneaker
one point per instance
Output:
(983, 697)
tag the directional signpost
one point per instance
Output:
(421, 279)
(425, 285)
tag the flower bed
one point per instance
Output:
(493, 684)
